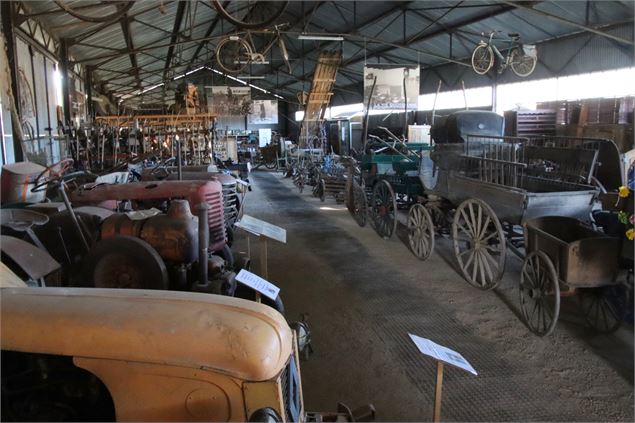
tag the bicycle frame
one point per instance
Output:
(253, 55)
(495, 49)
(259, 57)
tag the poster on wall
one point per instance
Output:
(229, 101)
(263, 112)
(389, 88)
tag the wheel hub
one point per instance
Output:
(123, 279)
(535, 293)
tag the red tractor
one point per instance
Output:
(155, 243)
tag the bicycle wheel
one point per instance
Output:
(233, 54)
(482, 59)
(522, 64)
(99, 14)
(250, 14)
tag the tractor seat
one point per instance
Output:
(20, 219)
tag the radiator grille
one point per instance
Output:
(230, 203)
(215, 215)
(291, 396)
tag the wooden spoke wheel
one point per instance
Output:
(359, 208)
(420, 232)
(348, 196)
(271, 164)
(317, 190)
(322, 186)
(383, 208)
(604, 308)
(539, 293)
(479, 244)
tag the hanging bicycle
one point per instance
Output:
(235, 52)
(102, 11)
(250, 14)
(522, 58)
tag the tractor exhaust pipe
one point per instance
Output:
(179, 165)
(203, 243)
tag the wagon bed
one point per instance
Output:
(517, 178)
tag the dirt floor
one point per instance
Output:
(364, 295)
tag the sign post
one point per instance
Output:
(438, 391)
(263, 231)
(443, 356)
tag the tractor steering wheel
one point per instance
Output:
(160, 171)
(58, 179)
(49, 171)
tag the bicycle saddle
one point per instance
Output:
(513, 35)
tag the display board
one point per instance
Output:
(264, 136)
(389, 88)
(263, 112)
(224, 100)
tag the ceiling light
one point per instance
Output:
(318, 37)
(251, 76)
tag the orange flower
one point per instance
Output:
(624, 191)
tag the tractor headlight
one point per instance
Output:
(265, 415)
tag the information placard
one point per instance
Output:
(441, 353)
(257, 283)
(261, 228)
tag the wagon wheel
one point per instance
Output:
(604, 308)
(348, 196)
(420, 232)
(271, 164)
(539, 293)
(359, 208)
(316, 190)
(322, 186)
(479, 244)
(300, 182)
(384, 209)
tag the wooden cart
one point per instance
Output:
(564, 257)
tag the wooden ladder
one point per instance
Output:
(320, 95)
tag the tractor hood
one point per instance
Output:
(151, 190)
(240, 338)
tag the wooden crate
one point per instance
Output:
(528, 123)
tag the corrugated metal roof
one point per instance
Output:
(428, 25)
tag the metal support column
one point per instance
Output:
(64, 72)
(494, 92)
(88, 86)
(7, 12)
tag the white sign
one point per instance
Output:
(229, 101)
(264, 136)
(257, 283)
(441, 353)
(261, 228)
(389, 86)
(263, 112)
(241, 182)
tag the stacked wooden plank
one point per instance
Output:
(528, 123)
(320, 95)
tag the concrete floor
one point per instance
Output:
(363, 295)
